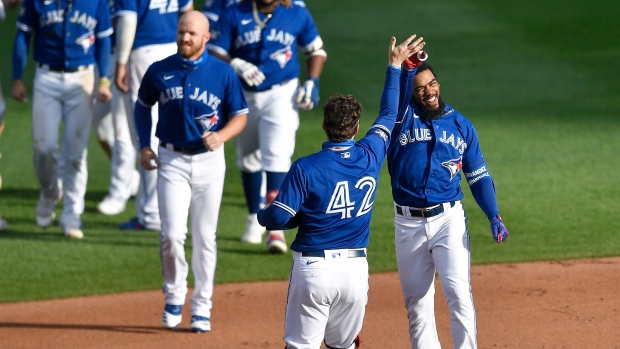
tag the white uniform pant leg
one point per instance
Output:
(451, 254)
(247, 143)
(46, 117)
(174, 190)
(123, 152)
(139, 61)
(326, 301)
(346, 315)
(208, 170)
(416, 271)
(278, 126)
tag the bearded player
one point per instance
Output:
(260, 39)
(432, 144)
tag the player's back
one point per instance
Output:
(340, 190)
(157, 19)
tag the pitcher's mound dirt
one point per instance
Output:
(563, 305)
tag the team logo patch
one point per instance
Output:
(86, 41)
(345, 155)
(206, 121)
(454, 166)
(282, 56)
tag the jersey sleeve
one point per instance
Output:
(282, 212)
(378, 136)
(309, 32)
(234, 100)
(147, 93)
(126, 7)
(212, 9)
(27, 19)
(222, 32)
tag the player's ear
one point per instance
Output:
(207, 37)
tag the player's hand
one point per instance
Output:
(247, 71)
(104, 94)
(1, 126)
(500, 233)
(148, 159)
(308, 94)
(212, 140)
(401, 53)
(11, 4)
(18, 91)
(122, 79)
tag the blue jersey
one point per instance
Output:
(157, 19)
(192, 100)
(273, 49)
(426, 157)
(329, 195)
(213, 8)
(63, 43)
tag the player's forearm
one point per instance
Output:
(102, 55)
(126, 26)
(20, 53)
(389, 98)
(144, 123)
(483, 189)
(233, 127)
(315, 66)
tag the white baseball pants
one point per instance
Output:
(326, 300)
(268, 140)
(111, 123)
(139, 61)
(65, 97)
(426, 245)
(194, 184)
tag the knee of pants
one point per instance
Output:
(172, 245)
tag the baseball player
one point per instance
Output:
(213, 8)
(69, 37)
(201, 106)
(259, 39)
(432, 143)
(329, 196)
(146, 31)
(8, 4)
(112, 128)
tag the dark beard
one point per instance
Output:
(432, 114)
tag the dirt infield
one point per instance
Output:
(565, 304)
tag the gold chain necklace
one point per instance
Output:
(259, 24)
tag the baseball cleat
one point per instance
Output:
(171, 318)
(45, 221)
(3, 224)
(73, 233)
(253, 233)
(276, 243)
(200, 324)
(134, 224)
(110, 206)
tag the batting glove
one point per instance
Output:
(308, 94)
(500, 233)
(416, 60)
(248, 72)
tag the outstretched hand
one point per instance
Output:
(399, 54)
(500, 233)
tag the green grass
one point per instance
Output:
(538, 80)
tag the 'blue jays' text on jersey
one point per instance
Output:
(157, 19)
(330, 194)
(63, 43)
(193, 100)
(273, 49)
(426, 157)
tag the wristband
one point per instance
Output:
(104, 81)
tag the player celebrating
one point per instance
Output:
(432, 143)
(146, 32)
(328, 286)
(201, 106)
(69, 37)
(259, 38)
